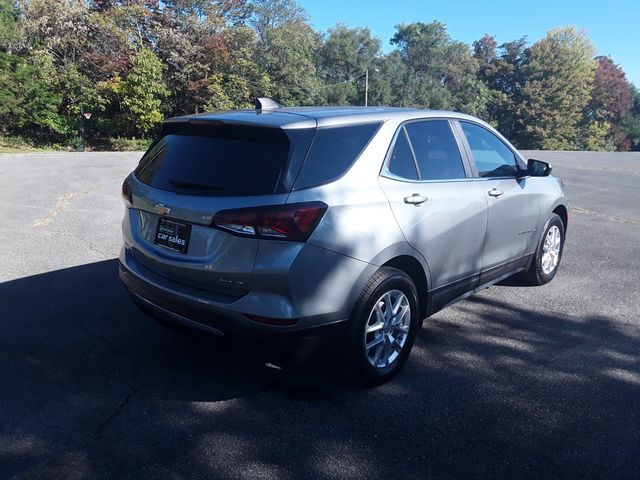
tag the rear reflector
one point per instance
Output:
(294, 222)
(126, 194)
(283, 322)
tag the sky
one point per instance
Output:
(613, 26)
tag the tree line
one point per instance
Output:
(132, 63)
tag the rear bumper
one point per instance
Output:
(158, 311)
(200, 314)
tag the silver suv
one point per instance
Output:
(371, 219)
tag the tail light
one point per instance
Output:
(126, 194)
(294, 222)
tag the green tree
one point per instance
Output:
(59, 27)
(133, 62)
(596, 136)
(442, 70)
(60, 35)
(245, 77)
(423, 48)
(386, 83)
(631, 122)
(140, 94)
(78, 94)
(344, 58)
(108, 51)
(558, 74)
(218, 98)
(27, 102)
(288, 53)
(232, 12)
(500, 70)
(10, 28)
(186, 49)
(269, 14)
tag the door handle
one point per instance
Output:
(494, 192)
(415, 199)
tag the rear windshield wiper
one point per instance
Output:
(195, 185)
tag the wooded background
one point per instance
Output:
(132, 63)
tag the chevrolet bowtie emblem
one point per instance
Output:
(161, 209)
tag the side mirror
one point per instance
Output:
(538, 168)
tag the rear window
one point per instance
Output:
(333, 151)
(222, 161)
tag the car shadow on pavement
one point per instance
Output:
(75, 351)
(92, 387)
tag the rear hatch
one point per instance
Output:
(197, 169)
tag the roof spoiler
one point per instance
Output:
(264, 103)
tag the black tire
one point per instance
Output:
(386, 279)
(535, 275)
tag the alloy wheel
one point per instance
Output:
(387, 329)
(551, 250)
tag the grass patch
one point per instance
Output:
(21, 145)
(129, 144)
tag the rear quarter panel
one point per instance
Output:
(359, 221)
(358, 225)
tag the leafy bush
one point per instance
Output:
(17, 144)
(128, 144)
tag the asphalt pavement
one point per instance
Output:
(512, 383)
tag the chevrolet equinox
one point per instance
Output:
(290, 219)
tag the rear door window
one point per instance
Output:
(219, 162)
(436, 150)
(333, 151)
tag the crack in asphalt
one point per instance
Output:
(115, 414)
(91, 245)
(61, 203)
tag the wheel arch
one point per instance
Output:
(412, 267)
(563, 213)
